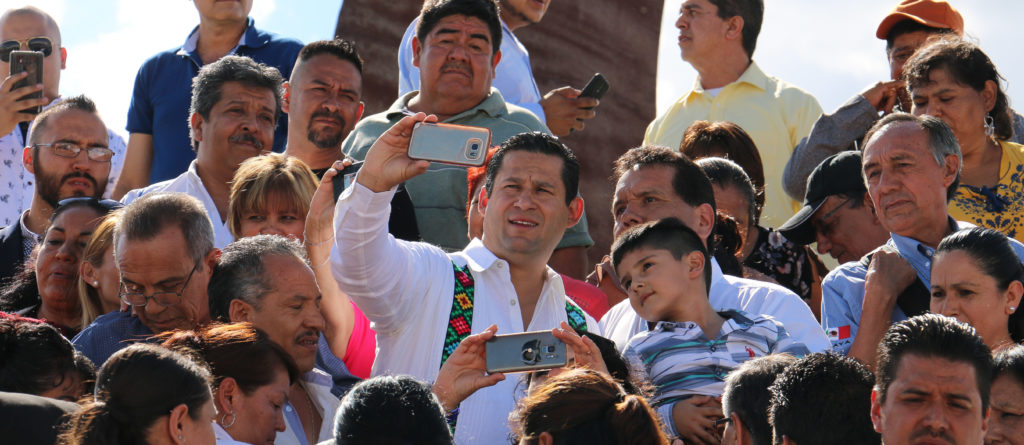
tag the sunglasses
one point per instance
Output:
(107, 205)
(39, 44)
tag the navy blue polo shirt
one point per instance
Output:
(163, 91)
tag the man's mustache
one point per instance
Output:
(247, 137)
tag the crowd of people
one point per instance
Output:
(261, 263)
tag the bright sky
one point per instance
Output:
(826, 47)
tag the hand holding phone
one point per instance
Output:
(30, 62)
(450, 144)
(596, 88)
(528, 351)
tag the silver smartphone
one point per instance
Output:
(529, 351)
(450, 144)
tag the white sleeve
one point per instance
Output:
(388, 279)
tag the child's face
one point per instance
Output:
(659, 286)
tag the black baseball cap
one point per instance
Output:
(837, 174)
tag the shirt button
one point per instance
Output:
(512, 302)
(713, 348)
(501, 265)
(288, 408)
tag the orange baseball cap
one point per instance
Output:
(933, 13)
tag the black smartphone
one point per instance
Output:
(528, 351)
(596, 88)
(345, 178)
(32, 63)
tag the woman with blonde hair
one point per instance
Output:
(98, 279)
(271, 195)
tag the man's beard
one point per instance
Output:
(48, 186)
(326, 139)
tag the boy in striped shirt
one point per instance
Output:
(690, 347)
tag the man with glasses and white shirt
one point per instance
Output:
(163, 246)
(68, 152)
(30, 29)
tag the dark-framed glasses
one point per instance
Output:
(71, 150)
(163, 298)
(41, 44)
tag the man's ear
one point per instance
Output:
(545, 438)
(359, 113)
(494, 63)
(286, 97)
(705, 221)
(63, 57)
(734, 29)
(26, 159)
(212, 258)
(239, 310)
(482, 201)
(196, 120)
(951, 170)
(416, 48)
(575, 211)
(876, 411)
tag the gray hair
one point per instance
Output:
(941, 140)
(240, 273)
(148, 216)
(207, 85)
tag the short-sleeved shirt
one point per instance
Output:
(775, 114)
(163, 92)
(1000, 207)
(681, 361)
(439, 196)
(842, 290)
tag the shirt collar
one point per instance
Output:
(752, 76)
(493, 105)
(480, 258)
(252, 38)
(917, 253)
(26, 233)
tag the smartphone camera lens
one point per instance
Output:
(550, 349)
(531, 352)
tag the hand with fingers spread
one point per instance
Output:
(465, 371)
(584, 351)
(565, 111)
(695, 419)
(12, 101)
(387, 162)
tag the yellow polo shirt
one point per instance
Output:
(775, 114)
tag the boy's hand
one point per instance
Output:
(695, 420)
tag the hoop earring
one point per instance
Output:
(990, 125)
(223, 420)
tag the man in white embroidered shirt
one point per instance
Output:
(235, 106)
(407, 289)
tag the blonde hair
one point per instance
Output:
(95, 253)
(271, 174)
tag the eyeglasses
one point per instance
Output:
(139, 299)
(40, 44)
(721, 422)
(107, 205)
(71, 150)
(823, 225)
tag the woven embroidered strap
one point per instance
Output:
(460, 319)
(576, 319)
